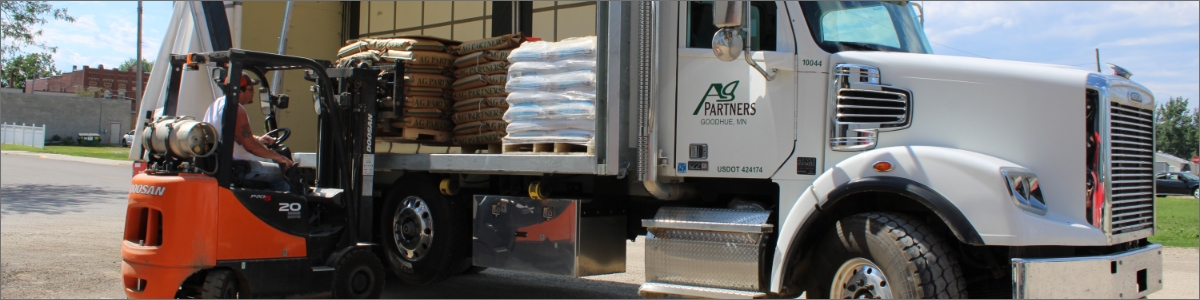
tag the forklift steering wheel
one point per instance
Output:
(280, 135)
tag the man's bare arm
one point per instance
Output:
(251, 143)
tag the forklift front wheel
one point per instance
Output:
(219, 284)
(359, 275)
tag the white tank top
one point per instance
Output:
(213, 116)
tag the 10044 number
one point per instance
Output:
(812, 62)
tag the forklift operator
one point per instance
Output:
(251, 148)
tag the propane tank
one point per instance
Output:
(183, 137)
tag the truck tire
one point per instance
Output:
(885, 255)
(359, 275)
(219, 284)
(418, 228)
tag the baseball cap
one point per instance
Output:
(248, 80)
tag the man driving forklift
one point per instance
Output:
(251, 148)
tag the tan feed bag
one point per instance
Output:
(507, 41)
(487, 91)
(491, 113)
(480, 127)
(479, 80)
(428, 80)
(425, 123)
(481, 138)
(495, 67)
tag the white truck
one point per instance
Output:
(770, 149)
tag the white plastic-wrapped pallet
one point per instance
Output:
(552, 92)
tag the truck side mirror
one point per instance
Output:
(727, 13)
(727, 44)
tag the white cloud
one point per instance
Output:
(1159, 39)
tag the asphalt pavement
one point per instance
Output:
(61, 221)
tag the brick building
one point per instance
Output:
(98, 83)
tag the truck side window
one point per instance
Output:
(762, 25)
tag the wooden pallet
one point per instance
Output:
(548, 148)
(491, 148)
(414, 135)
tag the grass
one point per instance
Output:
(1178, 222)
(107, 152)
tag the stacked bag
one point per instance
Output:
(480, 75)
(427, 79)
(552, 92)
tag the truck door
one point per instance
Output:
(730, 121)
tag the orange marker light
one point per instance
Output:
(883, 166)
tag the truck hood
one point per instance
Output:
(1026, 113)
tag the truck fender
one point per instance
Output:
(917, 173)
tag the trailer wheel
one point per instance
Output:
(884, 255)
(418, 229)
(219, 284)
(359, 275)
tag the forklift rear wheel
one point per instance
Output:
(219, 284)
(418, 227)
(359, 275)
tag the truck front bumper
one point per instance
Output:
(1131, 274)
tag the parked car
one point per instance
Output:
(1177, 183)
(127, 140)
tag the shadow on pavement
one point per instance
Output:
(52, 199)
(492, 284)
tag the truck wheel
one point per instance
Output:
(219, 284)
(884, 255)
(418, 228)
(359, 275)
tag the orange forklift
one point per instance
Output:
(193, 229)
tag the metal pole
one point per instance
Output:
(1097, 60)
(287, 18)
(137, 95)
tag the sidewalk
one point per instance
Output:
(99, 161)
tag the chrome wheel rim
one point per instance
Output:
(412, 228)
(1196, 193)
(860, 278)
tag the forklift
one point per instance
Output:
(194, 229)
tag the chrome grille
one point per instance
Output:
(855, 106)
(1131, 152)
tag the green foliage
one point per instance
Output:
(1177, 222)
(19, 27)
(20, 24)
(56, 138)
(128, 65)
(28, 66)
(1177, 128)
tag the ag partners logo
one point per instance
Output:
(716, 102)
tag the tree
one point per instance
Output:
(1176, 128)
(20, 22)
(129, 66)
(28, 66)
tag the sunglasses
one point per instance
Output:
(247, 88)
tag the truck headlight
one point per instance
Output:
(1024, 189)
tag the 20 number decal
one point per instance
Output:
(289, 206)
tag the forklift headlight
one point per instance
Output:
(1024, 189)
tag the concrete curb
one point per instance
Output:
(99, 161)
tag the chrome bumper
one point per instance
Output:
(1130, 274)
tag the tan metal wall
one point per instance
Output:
(314, 33)
(470, 20)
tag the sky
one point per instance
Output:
(1159, 42)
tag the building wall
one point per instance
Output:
(112, 80)
(66, 116)
(315, 33)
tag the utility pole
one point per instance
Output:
(137, 94)
(1097, 60)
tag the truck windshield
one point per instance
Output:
(865, 26)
